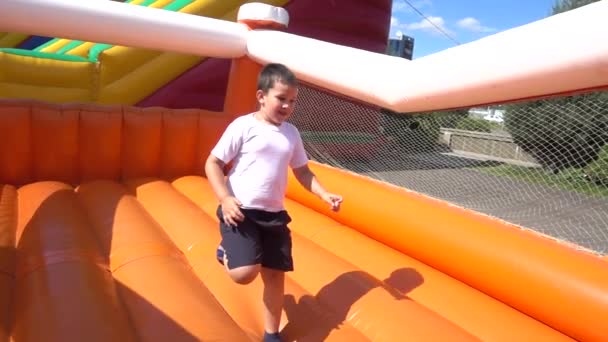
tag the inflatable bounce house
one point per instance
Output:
(107, 223)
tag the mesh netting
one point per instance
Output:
(542, 164)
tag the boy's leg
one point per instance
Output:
(276, 260)
(274, 290)
(240, 250)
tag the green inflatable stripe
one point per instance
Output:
(99, 48)
(75, 43)
(96, 50)
(69, 46)
(177, 5)
(44, 55)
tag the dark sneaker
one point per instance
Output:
(220, 254)
(272, 337)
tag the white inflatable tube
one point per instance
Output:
(118, 23)
(562, 53)
(362, 75)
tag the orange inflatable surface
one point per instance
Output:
(108, 233)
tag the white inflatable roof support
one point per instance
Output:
(263, 13)
(562, 53)
(359, 74)
(123, 24)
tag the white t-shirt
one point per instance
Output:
(262, 154)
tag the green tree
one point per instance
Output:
(563, 132)
(597, 172)
(474, 124)
(566, 5)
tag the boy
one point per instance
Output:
(253, 220)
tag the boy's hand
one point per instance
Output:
(333, 200)
(231, 210)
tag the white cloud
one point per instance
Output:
(474, 25)
(397, 26)
(394, 21)
(431, 24)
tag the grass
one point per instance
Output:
(569, 179)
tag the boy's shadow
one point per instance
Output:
(309, 321)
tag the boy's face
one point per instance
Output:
(278, 103)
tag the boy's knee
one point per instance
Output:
(270, 276)
(272, 273)
(245, 274)
(243, 279)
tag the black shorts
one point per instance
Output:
(261, 238)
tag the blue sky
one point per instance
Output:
(463, 20)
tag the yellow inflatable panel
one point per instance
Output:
(9, 40)
(118, 87)
(55, 46)
(117, 75)
(45, 72)
(119, 61)
(144, 80)
(81, 50)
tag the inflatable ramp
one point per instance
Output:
(120, 246)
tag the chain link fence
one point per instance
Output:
(542, 165)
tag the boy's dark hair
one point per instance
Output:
(275, 72)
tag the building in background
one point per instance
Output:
(402, 46)
(489, 113)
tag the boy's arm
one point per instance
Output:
(214, 169)
(309, 180)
